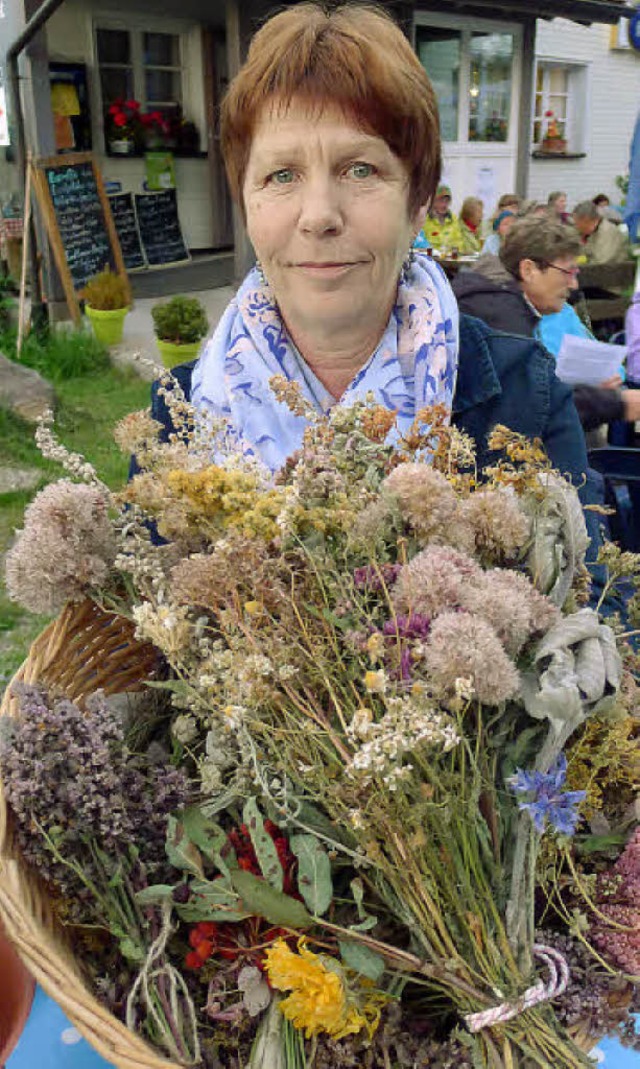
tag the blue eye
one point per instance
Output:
(362, 170)
(283, 177)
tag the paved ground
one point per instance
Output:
(138, 345)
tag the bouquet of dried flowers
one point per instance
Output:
(399, 825)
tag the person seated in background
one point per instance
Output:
(606, 209)
(533, 208)
(501, 227)
(557, 206)
(441, 227)
(632, 331)
(537, 271)
(602, 241)
(471, 214)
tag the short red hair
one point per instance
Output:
(353, 56)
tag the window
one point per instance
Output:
(136, 64)
(472, 73)
(439, 52)
(491, 57)
(551, 94)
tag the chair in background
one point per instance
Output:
(620, 469)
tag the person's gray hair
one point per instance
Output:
(537, 239)
(586, 209)
(553, 197)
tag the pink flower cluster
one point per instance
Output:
(619, 900)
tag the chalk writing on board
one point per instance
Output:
(160, 228)
(125, 219)
(81, 220)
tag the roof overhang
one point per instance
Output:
(584, 11)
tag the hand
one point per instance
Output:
(613, 383)
(631, 400)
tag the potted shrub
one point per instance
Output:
(107, 300)
(180, 325)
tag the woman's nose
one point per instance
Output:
(321, 209)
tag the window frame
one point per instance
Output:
(468, 27)
(136, 27)
(575, 128)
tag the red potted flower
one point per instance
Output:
(123, 126)
(553, 141)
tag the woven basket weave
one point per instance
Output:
(85, 649)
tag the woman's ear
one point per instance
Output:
(526, 269)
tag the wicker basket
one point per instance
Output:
(84, 650)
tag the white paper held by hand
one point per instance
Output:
(584, 360)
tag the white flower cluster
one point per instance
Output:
(52, 449)
(408, 724)
(166, 627)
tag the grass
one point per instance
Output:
(89, 404)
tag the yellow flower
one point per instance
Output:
(320, 999)
(375, 682)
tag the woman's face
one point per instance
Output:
(327, 213)
(560, 203)
(504, 226)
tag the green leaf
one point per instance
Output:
(209, 837)
(314, 872)
(130, 950)
(361, 959)
(181, 852)
(367, 920)
(176, 686)
(155, 895)
(264, 901)
(212, 900)
(595, 844)
(263, 845)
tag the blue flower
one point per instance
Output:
(550, 805)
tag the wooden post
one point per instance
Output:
(25, 255)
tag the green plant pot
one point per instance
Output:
(173, 354)
(108, 324)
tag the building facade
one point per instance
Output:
(496, 70)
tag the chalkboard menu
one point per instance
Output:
(75, 210)
(159, 225)
(125, 219)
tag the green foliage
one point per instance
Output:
(361, 959)
(8, 293)
(314, 872)
(65, 353)
(263, 845)
(107, 291)
(264, 901)
(180, 320)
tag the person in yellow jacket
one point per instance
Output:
(441, 227)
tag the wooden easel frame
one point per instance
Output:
(45, 203)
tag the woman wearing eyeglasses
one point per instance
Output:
(526, 292)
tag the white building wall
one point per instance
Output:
(609, 107)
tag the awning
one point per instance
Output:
(584, 11)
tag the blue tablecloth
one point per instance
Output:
(49, 1041)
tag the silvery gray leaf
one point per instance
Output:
(560, 539)
(568, 631)
(590, 670)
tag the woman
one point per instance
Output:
(331, 139)
(557, 206)
(501, 226)
(471, 214)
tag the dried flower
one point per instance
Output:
(426, 500)
(463, 645)
(433, 581)
(550, 804)
(66, 549)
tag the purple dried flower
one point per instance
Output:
(374, 578)
(410, 625)
(550, 804)
(69, 772)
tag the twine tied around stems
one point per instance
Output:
(540, 992)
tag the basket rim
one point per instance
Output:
(22, 913)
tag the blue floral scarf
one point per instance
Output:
(414, 365)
